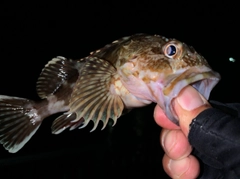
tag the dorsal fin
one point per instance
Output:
(54, 74)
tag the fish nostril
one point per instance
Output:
(191, 52)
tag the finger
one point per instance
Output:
(184, 168)
(162, 120)
(188, 105)
(175, 144)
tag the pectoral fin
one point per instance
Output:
(92, 98)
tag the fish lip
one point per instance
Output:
(202, 80)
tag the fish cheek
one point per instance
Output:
(126, 70)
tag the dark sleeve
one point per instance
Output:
(215, 137)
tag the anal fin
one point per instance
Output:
(65, 121)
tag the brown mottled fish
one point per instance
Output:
(130, 72)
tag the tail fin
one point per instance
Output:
(19, 121)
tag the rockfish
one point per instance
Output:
(130, 72)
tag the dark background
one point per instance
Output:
(31, 34)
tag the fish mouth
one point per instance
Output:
(201, 87)
(202, 80)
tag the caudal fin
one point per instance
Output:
(19, 120)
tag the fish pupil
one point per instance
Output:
(171, 50)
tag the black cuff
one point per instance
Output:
(215, 136)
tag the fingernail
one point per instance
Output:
(190, 99)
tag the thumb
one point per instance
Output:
(188, 105)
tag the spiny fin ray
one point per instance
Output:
(55, 73)
(65, 121)
(95, 102)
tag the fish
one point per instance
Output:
(128, 73)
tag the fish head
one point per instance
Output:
(156, 69)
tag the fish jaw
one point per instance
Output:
(203, 79)
(134, 92)
(163, 87)
(130, 101)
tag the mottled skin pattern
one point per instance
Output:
(130, 72)
(151, 50)
(142, 58)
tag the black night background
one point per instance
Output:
(33, 33)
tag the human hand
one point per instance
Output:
(178, 161)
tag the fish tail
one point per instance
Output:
(19, 120)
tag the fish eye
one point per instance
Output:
(170, 50)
